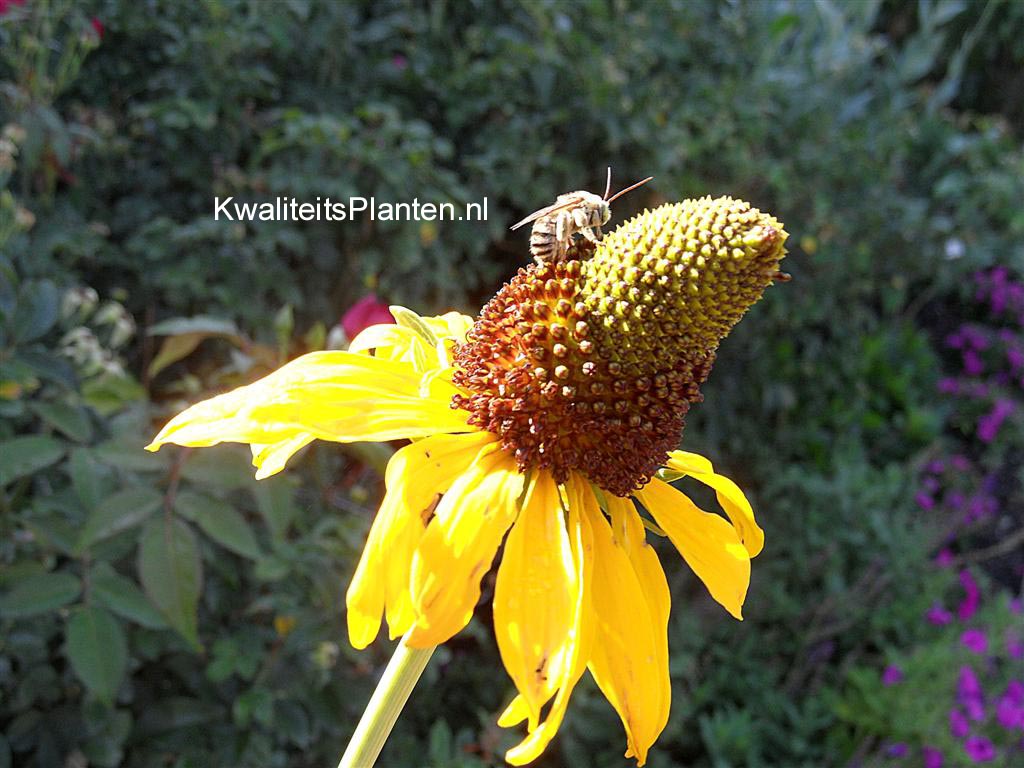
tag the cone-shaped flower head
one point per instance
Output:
(591, 364)
(575, 371)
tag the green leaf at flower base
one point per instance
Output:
(98, 651)
(122, 596)
(25, 455)
(220, 521)
(172, 574)
(39, 593)
(117, 513)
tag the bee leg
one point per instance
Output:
(588, 233)
(580, 217)
(562, 228)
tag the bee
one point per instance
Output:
(574, 212)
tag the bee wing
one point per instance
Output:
(549, 210)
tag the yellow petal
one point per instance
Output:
(517, 711)
(415, 476)
(271, 459)
(732, 499)
(534, 595)
(459, 545)
(383, 338)
(450, 325)
(577, 642)
(629, 533)
(710, 546)
(339, 396)
(625, 657)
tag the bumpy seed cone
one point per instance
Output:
(592, 363)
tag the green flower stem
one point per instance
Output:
(385, 705)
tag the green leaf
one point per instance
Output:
(121, 595)
(225, 467)
(36, 311)
(117, 513)
(85, 477)
(211, 326)
(26, 455)
(276, 502)
(130, 456)
(172, 574)
(174, 349)
(72, 421)
(98, 651)
(220, 522)
(39, 593)
(110, 392)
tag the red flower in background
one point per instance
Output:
(96, 24)
(6, 5)
(368, 311)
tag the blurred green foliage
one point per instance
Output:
(168, 610)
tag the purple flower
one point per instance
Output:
(1014, 648)
(975, 640)
(1015, 690)
(897, 750)
(972, 597)
(948, 386)
(892, 675)
(973, 365)
(979, 749)
(1010, 713)
(960, 462)
(970, 695)
(1015, 357)
(924, 501)
(936, 466)
(967, 685)
(945, 558)
(958, 724)
(989, 424)
(932, 757)
(939, 616)
(1015, 605)
(955, 499)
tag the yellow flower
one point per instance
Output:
(538, 425)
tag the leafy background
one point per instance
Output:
(167, 610)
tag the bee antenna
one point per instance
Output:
(608, 185)
(629, 189)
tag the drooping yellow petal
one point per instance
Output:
(338, 396)
(625, 657)
(577, 642)
(629, 533)
(710, 546)
(459, 545)
(271, 459)
(732, 499)
(416, 475)
(534, 596)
